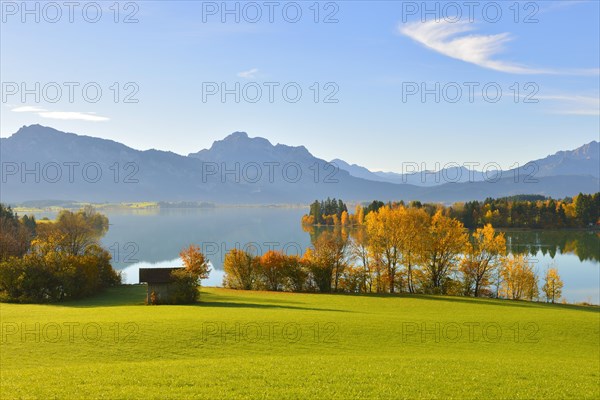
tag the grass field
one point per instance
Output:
(280, 345)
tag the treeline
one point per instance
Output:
(396, 249)
(523, 211)
(327, 212)
(544, 213)
(185, 204)
(53, 261)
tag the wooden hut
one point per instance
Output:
(160, 284)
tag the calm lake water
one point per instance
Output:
(154, 238)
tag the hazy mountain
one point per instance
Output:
(582, 161)
(68, 166)
(239, 148)
(361, 172)
(41, 163)
(426, 178)
(237, 169)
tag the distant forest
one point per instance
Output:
(523, 211)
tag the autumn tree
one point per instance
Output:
(361, 251)
(48, 274)
(359, 215)
(519, 280)
(444, 243)
(329, 259)
(78, 229)
(483, 253)
(187, 280)
(344, 219)
(552, 285)
(374, 206)
(295, 274)
(385, 238)
(413, 228)
(273, 269)
(241, 270)
(352, 280)
(195, 262)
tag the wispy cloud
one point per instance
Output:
(453, 40)
(250, 74)
(27, 109)
(573, 104)
(73, 115)
(62, 115)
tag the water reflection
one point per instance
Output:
(585, 245)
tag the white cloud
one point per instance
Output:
(453, 40)
(63, 115)
(72, 115)
(250, 74)
(27, 109)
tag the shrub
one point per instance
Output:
(49, 277)
(185, 287)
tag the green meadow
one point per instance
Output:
(268, 345)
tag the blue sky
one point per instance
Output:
(371, 57)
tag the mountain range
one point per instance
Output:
(41, 163)
(584, 161)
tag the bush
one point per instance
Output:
(185, 287)
(50, 277)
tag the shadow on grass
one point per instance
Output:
(135, 295)
(240, 296)
(124, 295)
(261, 306)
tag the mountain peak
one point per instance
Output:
(236, 136)
(34, 129)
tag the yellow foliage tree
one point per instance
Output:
(483, 254)
(385, 237)
(240, 269)
(444, 243)
(552, 285)
(413, 227)
(519, 280)
(359, 214)
(273, 267)
(344, 220)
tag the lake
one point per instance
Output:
(154, 238)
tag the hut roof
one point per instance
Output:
(156, 275)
